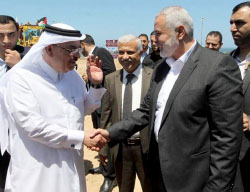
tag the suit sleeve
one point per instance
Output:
(106, 109)
(135, 122)
(225, 124)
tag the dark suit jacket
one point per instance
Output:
(201, 129)
(108, 65)
(243, 172)
(151, 59)
(112, 101)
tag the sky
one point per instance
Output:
(110, 19)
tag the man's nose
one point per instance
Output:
(6, 39)
(125, 56)
(233, 27)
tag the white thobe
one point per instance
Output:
(46, 113)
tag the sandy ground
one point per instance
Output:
(90, 157)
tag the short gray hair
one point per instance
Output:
(129, 37)
(176, 16)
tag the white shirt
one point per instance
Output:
(3, 68)
(46, 114)
(242, 65)
(91, 52)
(144, 54)
(173, 74)
(136, 89)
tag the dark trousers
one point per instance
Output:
(154, 167)
(4, 163)
(242, 180)
(130, 161)
(108, 171)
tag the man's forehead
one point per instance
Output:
(127, 45)
(7, 28)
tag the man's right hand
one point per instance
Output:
(94, 142)
(12, 57)
(245, 122)
(97, 133)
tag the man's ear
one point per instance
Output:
(181, 32)
(49, 50)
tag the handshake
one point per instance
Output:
(95, 139)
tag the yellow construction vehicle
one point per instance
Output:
(29, 34)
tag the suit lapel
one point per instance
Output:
(246, 81)
(145, 82)
(161, 72)
(118, 90)
(186, 71)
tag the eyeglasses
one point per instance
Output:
(71, 51)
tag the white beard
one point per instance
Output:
(169, 47)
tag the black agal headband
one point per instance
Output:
(60, 31)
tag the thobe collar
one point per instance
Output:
(52, 73)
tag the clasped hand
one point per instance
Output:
(95, 139)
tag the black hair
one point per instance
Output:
(239, 6)
(5, 19)
(88, 40)
(215, 33)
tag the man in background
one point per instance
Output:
(214, 40)
(145, 48)
(108, 66)
(240, 29)
(126, 89)
(10, 54)
(151, 59)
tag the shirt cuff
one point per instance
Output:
(75, 139)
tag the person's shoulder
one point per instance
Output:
(101, 49)
(147, 69)
(112, 75)
(22, 50)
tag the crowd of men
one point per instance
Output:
(176, 114)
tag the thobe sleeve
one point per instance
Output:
(93, 99)
(24, 109)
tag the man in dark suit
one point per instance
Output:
(108, 66)
(10, 54)
(193, 109)
(151, 59)
(240, 29)
(129, 155)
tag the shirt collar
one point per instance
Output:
(2, 62)
(53, 74)
(182, 60)
(136, 72)
(91, 52)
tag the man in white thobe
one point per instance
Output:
(44, 101)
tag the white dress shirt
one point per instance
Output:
(173, 74)
(46, 114)
(136, 89)
(242, 65)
